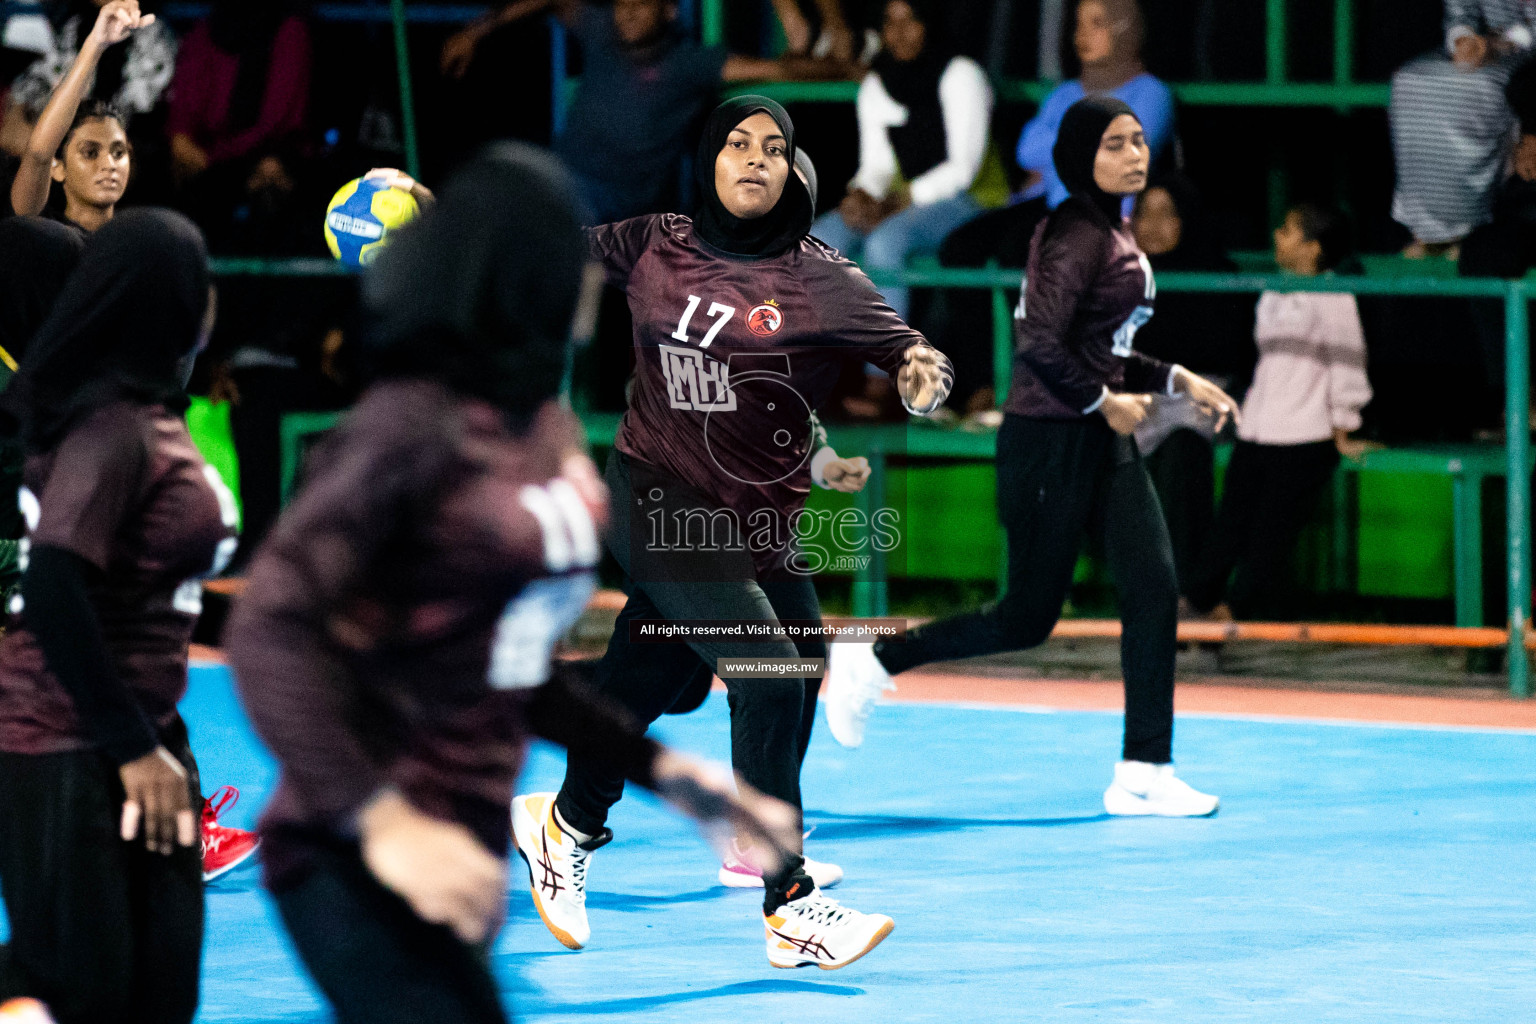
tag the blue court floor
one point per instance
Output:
(1355, 873)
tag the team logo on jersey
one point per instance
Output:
(765, 319)
(695, 381)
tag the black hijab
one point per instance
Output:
(36, 256)
(122, 327)
(778, 230)
(247, 31)
(916, 82)
(1077, 145)
(480, 292)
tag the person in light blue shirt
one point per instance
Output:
(1108, 41)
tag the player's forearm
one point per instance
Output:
(62, 106)
(520, 9)
(29, 192)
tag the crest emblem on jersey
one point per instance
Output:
(765, 319)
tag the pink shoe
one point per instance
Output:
(739, 873)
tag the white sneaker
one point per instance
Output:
(855, 681)
(818, 930)
(557, 867)
(739, 873)
(23, 1010)
(1141, 788)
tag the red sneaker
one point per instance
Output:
(224, 849)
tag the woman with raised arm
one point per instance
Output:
(81, 144)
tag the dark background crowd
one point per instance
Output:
(248, 116)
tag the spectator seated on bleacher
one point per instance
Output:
(238, 106)
(133, 78)
(1108, 41)
(1308, 390)
(924, 118)
(1211, 335)
(644, 86)
(830, 36)
(1451, 124)
(1506, 245)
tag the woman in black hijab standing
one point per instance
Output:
(1066, 458)
(99, 858)
(393, 646)
(742, 326)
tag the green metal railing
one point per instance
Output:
(407, 95)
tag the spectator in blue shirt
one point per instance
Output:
(1108, 42)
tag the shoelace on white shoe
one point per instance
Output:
(819, 909)
(579, 859)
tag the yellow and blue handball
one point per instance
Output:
(361, 217)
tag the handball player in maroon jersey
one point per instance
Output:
(1067, 463)
(743, 324)
(99, 853)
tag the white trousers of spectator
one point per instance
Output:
(1451, 135)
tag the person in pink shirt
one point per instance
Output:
(238, 109)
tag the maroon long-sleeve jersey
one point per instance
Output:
(733, 355)
(1088, 289)
(402, 611)
(127, 491)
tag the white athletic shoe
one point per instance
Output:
(1141, 788)
(855, 681)
(818, 930)
(739, 873)
(557, 867)
(23, 1010)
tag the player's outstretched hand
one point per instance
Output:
(395, 178)
(847, 475)
(924, 379)
(438, 867)
(1211, 400)
(707, 792)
